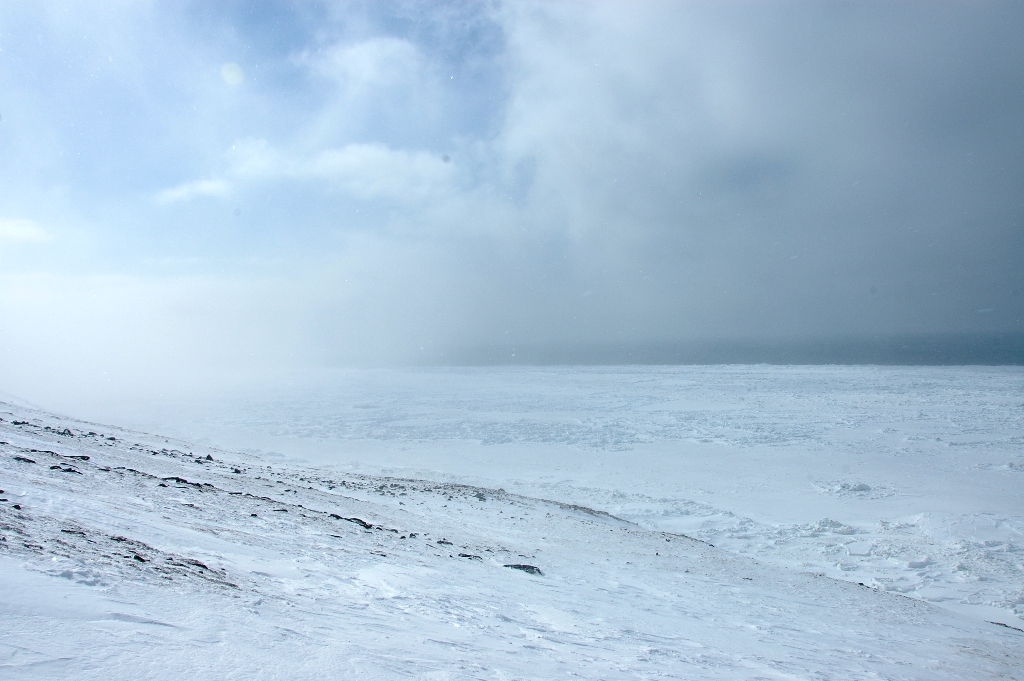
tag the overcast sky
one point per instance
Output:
(194, 188)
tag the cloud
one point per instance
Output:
(375, 171)
(365, 65)
(365, 171)
(557, 173)
(22, 231)
(190, 190)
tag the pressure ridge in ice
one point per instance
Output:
(129, 555)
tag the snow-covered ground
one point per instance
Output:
(361, 525)
(909, 479)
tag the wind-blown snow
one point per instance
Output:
(148, 560)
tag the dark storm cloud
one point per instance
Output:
(796, 169)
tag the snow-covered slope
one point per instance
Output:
(128, 555)
(909, 479)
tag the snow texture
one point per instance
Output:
(699, 523)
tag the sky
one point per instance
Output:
(195, 191)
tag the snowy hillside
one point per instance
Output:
(130, 555)
(908, 479)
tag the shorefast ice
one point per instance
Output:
(525, 524)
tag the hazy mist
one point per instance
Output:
(193, 194)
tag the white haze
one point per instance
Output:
(198, 197)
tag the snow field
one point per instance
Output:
(909, 479)
(129, 555)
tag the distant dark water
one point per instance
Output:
(919, 349)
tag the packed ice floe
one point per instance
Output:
(127, 554)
